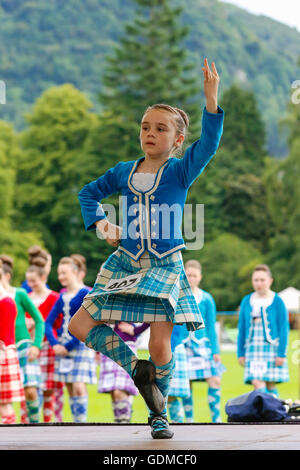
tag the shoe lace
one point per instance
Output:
(159, 422)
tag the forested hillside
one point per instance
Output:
(50, 43)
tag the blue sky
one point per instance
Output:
(287, 11)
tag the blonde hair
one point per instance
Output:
(180, 117)
(77, 262)
(193, 263)
(80, 261)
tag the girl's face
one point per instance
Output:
(158, 134)
(35, 281)
(66, 274)
(261, 282)
(194, 276)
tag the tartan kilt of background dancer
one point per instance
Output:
(79, 364)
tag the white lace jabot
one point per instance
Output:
(143, 181)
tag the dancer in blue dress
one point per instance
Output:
(144, 279)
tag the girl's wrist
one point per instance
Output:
(102, 225)
(212, 105)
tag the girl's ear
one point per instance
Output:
(179, 141)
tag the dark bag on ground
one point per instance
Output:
(255, 406)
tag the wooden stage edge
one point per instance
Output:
(113, 437)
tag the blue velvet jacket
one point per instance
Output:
(275, 325)
(152, 219)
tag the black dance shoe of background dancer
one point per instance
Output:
(144, 379)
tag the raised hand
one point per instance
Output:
(211, 84)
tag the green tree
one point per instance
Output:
(53, 167)
(150, 65)
(232, 188)
(244, 131)
(12, 242)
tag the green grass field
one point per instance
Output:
(232, 385)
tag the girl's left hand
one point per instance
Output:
(33, 353)
(211, 84)
(60, 350)
(126, 328)
(279, 361)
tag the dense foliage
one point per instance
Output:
(75, 131)
(44, 43)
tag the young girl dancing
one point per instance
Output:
(144, 279)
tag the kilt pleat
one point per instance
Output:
(147, 290)
(11, 385)
(201, 363)
(78, 366)
(179, 384)
(30, 370)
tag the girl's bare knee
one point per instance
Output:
(81, 324)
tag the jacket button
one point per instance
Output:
(154, 245)
(152, 197)
(138, 246)
(152, 210)
(135, 198)
(153, 222)
(137, 235)
(153, 234)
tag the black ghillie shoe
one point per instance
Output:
(160, 427)
(144, 379)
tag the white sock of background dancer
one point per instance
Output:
(214, 400)
(48, 407)
(122, 410)
(58, 401)
(33, 410)
(188, 405)
(176, 410)
(79, 407)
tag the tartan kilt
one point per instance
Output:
(11, 385)
(201, 363)
(147, 290)
(78, 366)
(179, 384)
(30, 370)
(47, 361)
(260, 359)
(113, 377)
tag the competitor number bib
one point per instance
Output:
(123, 283)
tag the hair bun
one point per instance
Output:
(5, 259)
(37, 256)
(79, 260)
